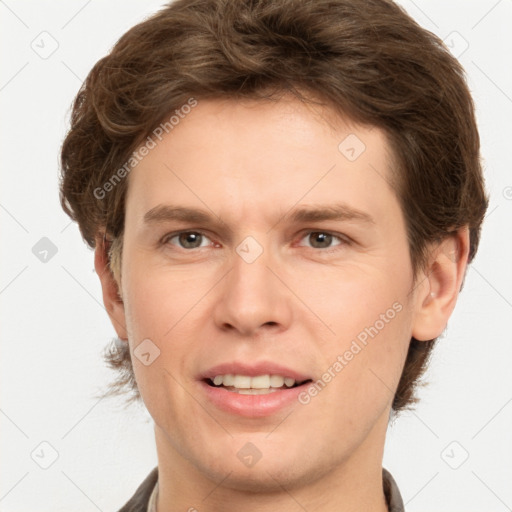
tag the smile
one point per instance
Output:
(252, 390)
(258, 385)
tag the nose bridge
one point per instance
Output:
(252, 296)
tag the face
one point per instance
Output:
(266, 271)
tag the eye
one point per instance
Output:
(188, 240)
(322, 240)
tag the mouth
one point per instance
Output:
(254, 385)
(252, 390)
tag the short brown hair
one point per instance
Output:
(366, 59)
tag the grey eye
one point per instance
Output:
(189, 240)
(320, 240)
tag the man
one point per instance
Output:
(283, 197)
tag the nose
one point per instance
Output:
(253, 299)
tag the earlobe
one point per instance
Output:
(112, 297)
(444, 275)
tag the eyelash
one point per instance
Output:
(343, 239)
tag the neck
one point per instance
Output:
(353, 485)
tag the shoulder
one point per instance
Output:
(139, 501)
(392, 493)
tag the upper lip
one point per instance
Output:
(253, 370)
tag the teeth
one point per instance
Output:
(276, 381)
(260, 382)
(255, 391)
(227, 380)
(242, 382)
(247, 383)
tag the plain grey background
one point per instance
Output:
(62, 449)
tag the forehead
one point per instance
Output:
(264, 156)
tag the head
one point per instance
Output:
(278, 109)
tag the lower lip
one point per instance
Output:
(251, 406)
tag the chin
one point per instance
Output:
(266, 478)
(268, 472)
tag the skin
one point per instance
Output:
(249, 165)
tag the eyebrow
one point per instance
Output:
(164, 213)
(339, 212)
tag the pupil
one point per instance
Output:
(190, 240)
(321, 238)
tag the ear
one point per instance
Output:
(111, 289)
(442, 281)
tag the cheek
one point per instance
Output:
(156, 314)
(152, 309)
(353, 298)
(166, 306)
(369, 314)
(159, 300)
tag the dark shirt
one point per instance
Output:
(139, 501)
